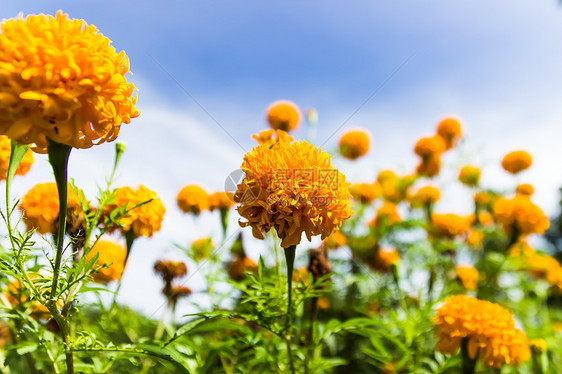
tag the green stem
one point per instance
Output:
(290, 258)
(311, 345)
(16, 155)
(129, 239)
(468, 364)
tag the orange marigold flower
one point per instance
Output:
(386, 176)
(293, 188)
(40, 207)
(336, 240)
(202, 248)
(355, 143)
(474, 238)
(517, 161)
(468, 276)
(541, 265)
(387, 214)
(267, 136)
(177, 292)
(221, 200)
(365, 193)
(538, 345)
(240, 266)
(521, 248)
(385, 258)
(61, 79)
(450, 130)
(482, 198)
(170, 270)
(113, 256)
(525, 189)
(143, 220)
(429, 147)
(488, 327)
(193, 199)
(520, 214)
(425, 195)
(283, 115)
(449, 225)
(430, 166)
(5, 153)
(469, 175)
(396, 190)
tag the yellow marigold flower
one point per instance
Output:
(517, 161)
(488, 327)
(386, 176)
(387, 214)
(450, 130)
(469, 175)
(193, 199)
(449, 225)
(538, 345)
(293, 188)
(283, 115)
(61, 79)
(355, 143)
(474, 238)
(110, 254)
(336, 240)
(384, 259)
(40, 207)
(521, 248)
(5, 152)
(396, 190)
(202, 248)
(170, 270)
(521, 214)
(267, 136)
(425, 195)
(324, 303)
(525, 189)
(430, 166)
(365, 193)
(482, 198)
(468, 276)
(429, 147)
(485, 218)
(240, 266)
(541, 265)
(221, 200)
(145, 219)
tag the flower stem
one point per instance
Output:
(468, 364)
(290, 259)
(129, 239)
(16, 155)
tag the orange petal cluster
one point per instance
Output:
(519, 213)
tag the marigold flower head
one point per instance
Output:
(170, 270)
(60, 78)
(517, 161)
(520, 214)
(430, 166)
(221, 200)
(450, 130)
(143, 220)
(5, 153)
(538, 345)
(474, 238)
(396, 190)
(449, 225)
(40, 207)
(425, 195)
(468, 276)
(384, 259)
(177, 292)
(193, 199)
(488, 327)
(387, 214)
(271, 136)
(365, 193)
(429, 146)
(113, 256)
(525, 189)
(336, 240)
(239, 266)
(482, 198)
(202, 248)
(355, 143)
(283, 115)
(541, 265)
(521, 248)
(386, 176)
(469, 175)
(293, 188)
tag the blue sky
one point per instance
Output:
(494, 64)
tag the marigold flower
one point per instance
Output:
(143, 220)
(170, 270)
(469, 175)
(336, 240)
(386, 176)
(425, 195)
(18, 296)
(40, 207)
(283, 115)
(429, 147)
(221, 200)
(387, 214)
(474, 238)
(240, 266)
(525, 189)
(521, 248)
(468, 276)
(538, 345)
(396, 190)
(193, 199)
(267, 136)
(110, 254)
(5, 153)
(60, 78)
(293, 188)
(202, 248)
(517, 161)
(482, 198)
(541, 265)
(449, 225)
(430, 166)
(177, 292)
(384, 259)
(450, 130)
(488, 327)
(355, 143)
(365, 193)
(520, 214)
